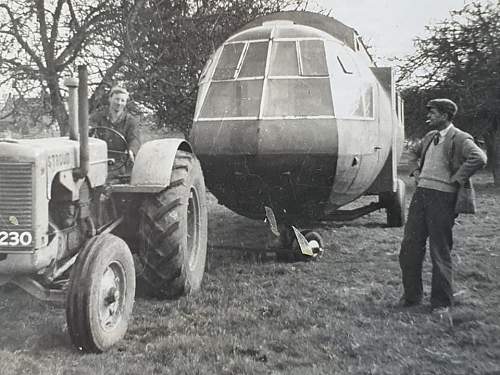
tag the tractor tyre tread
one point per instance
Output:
(164, 235)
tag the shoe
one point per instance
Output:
(443, 313)
(403, 302)
(440, 311)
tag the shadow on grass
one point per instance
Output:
(29, 324)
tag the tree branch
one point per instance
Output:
(16, 34)
(81, 34)
(55, 24)
(74, 20)
(40, 15)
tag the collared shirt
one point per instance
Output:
(442, 134)
(126, 124)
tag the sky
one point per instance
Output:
(389, 26)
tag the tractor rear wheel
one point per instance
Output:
(101, 294)
(173, 230)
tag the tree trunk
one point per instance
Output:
(58, 109)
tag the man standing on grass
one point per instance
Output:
(442, 164)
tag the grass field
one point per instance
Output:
(256, 315)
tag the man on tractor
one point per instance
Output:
(117, 126)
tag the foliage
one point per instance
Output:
(171, 41)
(459, 60)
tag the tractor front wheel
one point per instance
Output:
(101, 294)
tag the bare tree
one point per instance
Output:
(157, 47)
(42, 40)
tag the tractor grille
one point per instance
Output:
(16, 202)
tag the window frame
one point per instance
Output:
(266, 77)
(300, 62)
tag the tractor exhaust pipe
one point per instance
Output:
(72, 84)
(83, 120)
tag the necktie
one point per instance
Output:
(436, 138)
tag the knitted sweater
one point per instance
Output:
(436, 173)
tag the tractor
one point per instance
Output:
(74, 231)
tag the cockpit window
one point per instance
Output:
(254, 64)
(298, 97)
(353, 98)
(228, 61)
(232, 99)
(306, 89)
(284, 60)
(297, 80)
(352, 89)
(312, 53)
(368, 100)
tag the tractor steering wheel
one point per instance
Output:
(118, 147)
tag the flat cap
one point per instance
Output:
(443, 106)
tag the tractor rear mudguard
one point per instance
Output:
(153, 166)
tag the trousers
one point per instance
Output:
(431, 216)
